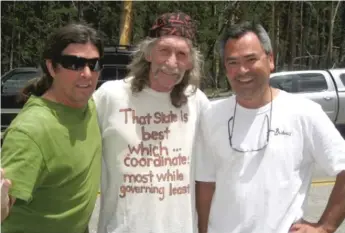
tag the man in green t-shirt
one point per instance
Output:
(51, 154)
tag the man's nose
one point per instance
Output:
(243, 69)
(86, 72)
(172, 61)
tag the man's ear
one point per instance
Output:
(50, 68)
(271, 61)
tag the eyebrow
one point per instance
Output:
(166, 46)
(246, 56)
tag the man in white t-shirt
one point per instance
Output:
(149, 123)
(256, 169)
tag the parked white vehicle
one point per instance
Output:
(326, 87)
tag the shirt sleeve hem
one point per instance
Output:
(205, 179)
(21, 194)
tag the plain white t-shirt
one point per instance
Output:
(148, 162)
(265, 190)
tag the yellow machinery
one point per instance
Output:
(126, 23)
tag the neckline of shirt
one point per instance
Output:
(262, 109)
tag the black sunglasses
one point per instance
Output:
(72, 62)
(231, 122)
(231, 133)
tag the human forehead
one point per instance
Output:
(87, 50)
(173, 42)
(246, 44)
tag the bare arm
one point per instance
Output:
(204, 194)
(327, 146)
(334, 213)
(5, 209)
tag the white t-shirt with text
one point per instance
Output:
(265, 190)
(148, 163)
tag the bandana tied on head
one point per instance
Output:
(177, 24)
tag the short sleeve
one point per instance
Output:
(99, 97)
(326, 143)
(205, 163)
(22, 161)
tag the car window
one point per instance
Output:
(283, 82)
(311, 83)
(299, 83)
(17, 81)
(342, 78)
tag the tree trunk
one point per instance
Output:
(12, 37)
(315, 60)
(341, 57)
(301, 50)
(307, 34)
(243, 7)
(277, 40)
(320, 63)
(12, 48)
(292, 44)
(273, 27)
(215, 59)
(80, 10)
(232, 20)
(284, 35)
(332, 15)
(330, 38)
(219, 64)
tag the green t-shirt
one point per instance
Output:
(52, 155)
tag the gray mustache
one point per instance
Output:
(168, 70)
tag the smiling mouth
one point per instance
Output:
(168, 73)
(245, 80)
(84, 85)
(173, 74)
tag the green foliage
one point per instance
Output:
(25, 26)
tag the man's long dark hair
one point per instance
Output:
(72, 33)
